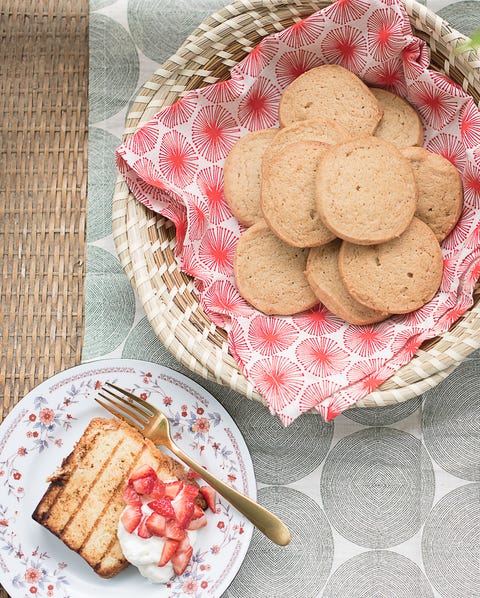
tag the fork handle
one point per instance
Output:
(266, 522)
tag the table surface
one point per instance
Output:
(43, 207)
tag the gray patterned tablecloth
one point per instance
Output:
(382, 502)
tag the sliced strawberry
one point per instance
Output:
(155, 524)
(143, 531)
(184, 544)
(131, 497)
(180, 560)
(143, 471)
(158, 489)
(183, 510)
(197, 512)
(210, 496)
(173, 531)
(169, 549)
(143, 479)
(173, 488)
(191, 491)
(192, 475)
(144, 485)
(131, 517)
(197, 523)
(163, 506)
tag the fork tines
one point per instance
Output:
(135, 411)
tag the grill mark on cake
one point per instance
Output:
(55, 497)
(115, 493)
(52, 496)
(110, 548)
(93, 483)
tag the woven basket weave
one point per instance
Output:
(145, 241)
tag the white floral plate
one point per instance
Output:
(43, 428)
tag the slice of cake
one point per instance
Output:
(85, 498)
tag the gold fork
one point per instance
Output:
(153, 424)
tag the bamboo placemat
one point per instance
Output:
(43, 189)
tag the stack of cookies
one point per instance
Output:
(343, 205)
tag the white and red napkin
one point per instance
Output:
(174, 165)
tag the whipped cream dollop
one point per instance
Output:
(145, 553)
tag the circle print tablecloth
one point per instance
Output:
(381, 502)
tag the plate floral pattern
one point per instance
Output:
(42, 430)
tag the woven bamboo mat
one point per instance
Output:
(43, 189)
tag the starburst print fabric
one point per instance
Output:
(174, 165)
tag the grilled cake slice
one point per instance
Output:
(84, 500)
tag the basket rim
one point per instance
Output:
(125, 217)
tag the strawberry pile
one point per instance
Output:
(174, 512)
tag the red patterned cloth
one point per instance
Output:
(174, 165)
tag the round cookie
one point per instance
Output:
(332, 92)
(365, 191)
(397, 277)
(323, 130)
(288, 195)
(243, 175)
(270, 274)
(324, 278)
(440, 191)
(400, 122)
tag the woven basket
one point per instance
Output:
(145, 241)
